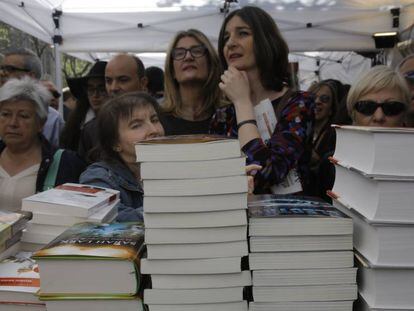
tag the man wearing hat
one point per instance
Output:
(90, 94)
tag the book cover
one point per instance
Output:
(70, 199)
(19, 274)
(117, 240)
(271, 206)
(10, 224)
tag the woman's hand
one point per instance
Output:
(251, 170)
(235, 85)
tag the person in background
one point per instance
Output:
(28, 162)
(54, 102)
(90, 93)
(406, 68)
(380, 97)
(192, 73)
(122, 122)
(155, 77)
(255, 57)
(324, 138)
(69, 103)
(124, 73)
(19, 63)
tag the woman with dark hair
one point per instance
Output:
(90, 94)
(273, 123)
(192, 71)
(122, 122)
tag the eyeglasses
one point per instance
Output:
(100, 91)
(195, 51)
(55, 94)
(11, 69)
(324, 99)
(368, 107)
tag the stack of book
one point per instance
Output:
(19, 283)
(57, 209)
(300, 255)
(195, 223)
(93, 267)
(11, 230)
(374, 185)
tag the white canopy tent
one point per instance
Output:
(88, 26)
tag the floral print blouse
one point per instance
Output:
(289, 146)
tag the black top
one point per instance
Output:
(177, 126)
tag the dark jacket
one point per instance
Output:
(70, 166)
(116, 175)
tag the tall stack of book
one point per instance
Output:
(19, 283)
(93, 267)
(300, 255)
(195, 223)
(374, 185)
(57, 209)
(11, 230)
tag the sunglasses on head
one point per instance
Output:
(368, 107)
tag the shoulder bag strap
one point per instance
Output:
(50, 179)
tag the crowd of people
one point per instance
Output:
(242, 90)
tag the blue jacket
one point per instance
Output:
(116, 175)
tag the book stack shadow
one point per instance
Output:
(55, 210)
(374, 185)
(195, 223)
(300, 255)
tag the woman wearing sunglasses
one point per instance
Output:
(324, 138)
(192, 72)
(379, 98)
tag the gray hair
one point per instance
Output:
(30, 60)
(27, 89)
(376, 79)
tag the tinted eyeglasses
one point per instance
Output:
(11, 69)
(55, 94)
(409, 76)
(100, 91)
(195, 51)
(324, 99)
(368, 107)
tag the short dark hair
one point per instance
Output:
(270, 49)
(140, 66)
(30, 59)
(155, 77)
(114, 110)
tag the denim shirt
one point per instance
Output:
(119, 177)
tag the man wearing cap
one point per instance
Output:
(406, 68)
(90, 94)
(18, 63)
(124, 73)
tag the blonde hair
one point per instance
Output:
(211, 92)
(375, 80)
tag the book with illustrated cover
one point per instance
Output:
(197, 147)
(71, 200)
(19, 280)
(11, 224)
(274, 215)
(93, 259)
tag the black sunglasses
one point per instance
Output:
(11, 68)
(368, 107)
(409, 76)
(195, 51)
(55, 94)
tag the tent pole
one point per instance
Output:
(58, 74)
